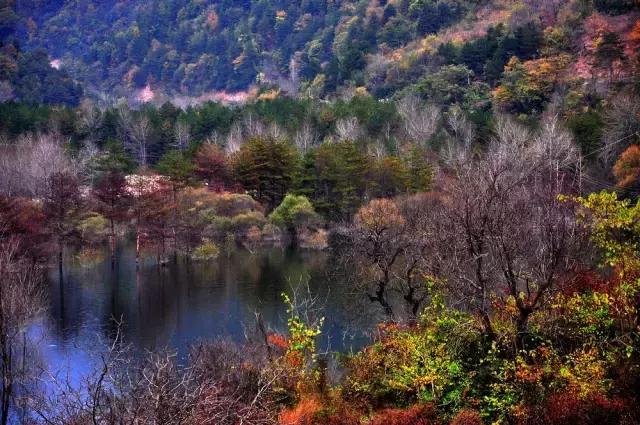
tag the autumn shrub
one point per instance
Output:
(232, 204)
(301, 356)
(237, 382)
(627, 167)
(207, 251)
(314, 239)
(90, 256)
(220, 204)
(303, 413)
(467, 417)
(93, 229)
(241, 223)
(278, 341)
(581, 346)
(428, 363)
(318, 409)
(419, 414)
(568, 408)
(338, 412)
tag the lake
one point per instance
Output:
(186, 302)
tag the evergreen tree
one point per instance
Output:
(266, 168)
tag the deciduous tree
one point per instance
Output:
(114, 200)
(62, 206)
(212, 166)
(21, 302)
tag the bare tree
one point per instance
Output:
(553, 146)
(28, 163)
(124, 120)
(419, 121)
(376, 71)
(253, 127)
(139, 135)
(306, 137)
(461, 136)
(377, 149)
(135, 132)
(276, 132)
(622, 127)
(214, 139)
(90, 119)
(21, 301)
(495, 227)
(181, 135)
(234, 139)
(507, 230)
(348, 129)
(389, 243)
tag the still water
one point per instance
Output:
(186, 302)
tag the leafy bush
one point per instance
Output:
(206, 252)
(429, 363)
(294, 211)
(93, 228)
(242, 222)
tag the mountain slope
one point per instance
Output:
(447, 50)
(193, 46)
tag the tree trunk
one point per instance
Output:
(522, 328)
(7, 381)
(381, 298)
(174, 224)
(413, 303)
(60, 257)
(487, 328)
(137, 247)
(5, 391)
(293, 237)
(112, 242)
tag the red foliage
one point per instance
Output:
(20, 217)
(311, 411)
(153, 210)
(388, 329)
(586, 281)
(467, 417)
(213, 167)
(278, 341)
(22, 220)
(112, 196)
(634, 36)
(567, 408)
(627, 167)
(303, 413)
(420, 414)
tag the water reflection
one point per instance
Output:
(183, 303)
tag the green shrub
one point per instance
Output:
(206, 252)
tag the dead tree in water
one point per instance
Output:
(21, 302)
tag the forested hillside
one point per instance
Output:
(319, 47)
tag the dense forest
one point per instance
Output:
(473, 165)
(321, 48)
